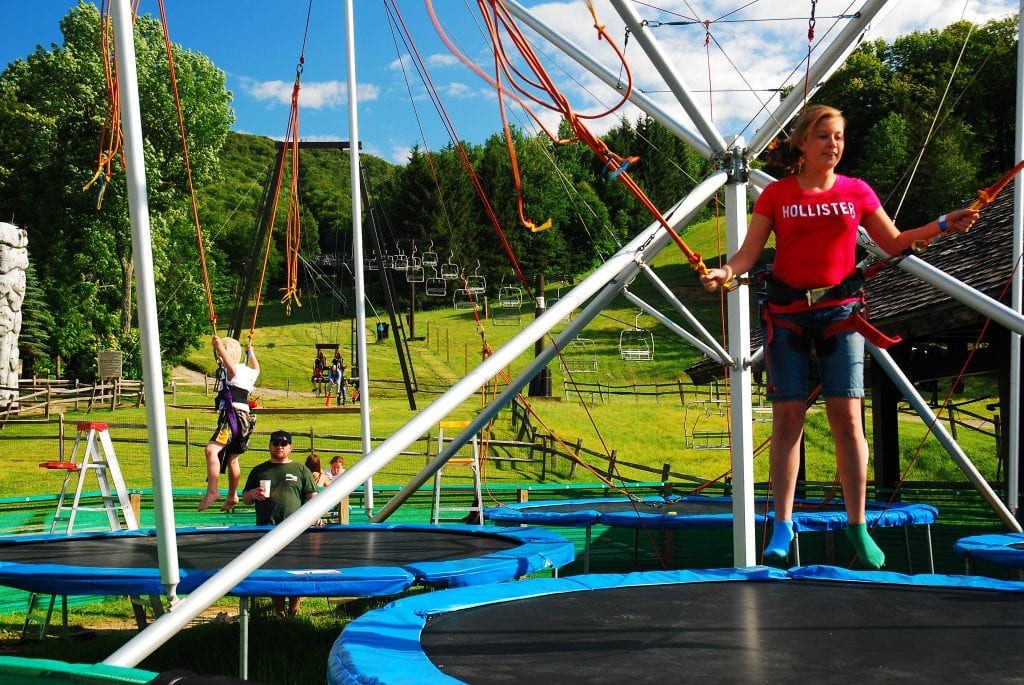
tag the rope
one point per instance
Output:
(188, 170)
(932, 126)
(111, 138)
(523, 90)
(293, 223)
(811, 22)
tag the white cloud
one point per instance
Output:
(442, 60)
(745, 60)
(312, 95)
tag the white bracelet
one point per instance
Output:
(942, 223)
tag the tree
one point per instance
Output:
(53, 108)
(37, 329)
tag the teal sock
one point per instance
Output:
(866, 549)
(782, 537)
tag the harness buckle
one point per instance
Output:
(815, 294)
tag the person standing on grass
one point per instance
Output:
(814, 301)
(290, 484)
(235, 422)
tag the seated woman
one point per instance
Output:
(320, 478)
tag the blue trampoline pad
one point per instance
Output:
(1002, 549)
(812, 624)
(699, 512)
(362, 561)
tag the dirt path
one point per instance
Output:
(186, 376)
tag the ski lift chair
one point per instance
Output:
(463, 299)
(450, 270)
(429, 257)
(436, 286)
(415, 272)
(476, 283)
(510, 296)
(580, 356)
(636, 344)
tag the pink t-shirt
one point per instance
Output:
(815, 232)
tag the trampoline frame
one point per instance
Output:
(537, 550)
(995, 548)
(805, 520)
(377, 645)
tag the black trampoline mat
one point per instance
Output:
(737, 632)
(316, 548)
(1016, 545)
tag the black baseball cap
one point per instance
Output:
(281, 435)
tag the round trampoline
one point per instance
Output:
(1001, 549)
(700, 512)
(725, 625)
(365, 560)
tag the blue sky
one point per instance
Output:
(258, 43)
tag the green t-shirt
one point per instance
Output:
(291, 484)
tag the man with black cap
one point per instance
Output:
(277, 488)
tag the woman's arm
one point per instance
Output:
(746, 257)
(885, 234)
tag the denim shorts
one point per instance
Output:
(840, 357)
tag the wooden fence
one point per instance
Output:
(47, 397)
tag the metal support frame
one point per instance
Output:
(600, 288)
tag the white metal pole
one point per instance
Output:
(669, 74)
(357, 248)
(643, 102)
(595, 306)
(145, 291)
(1012, 421)
(741, 387)
(886, 362)
(824, 66)
(973, 298)
(650, 240)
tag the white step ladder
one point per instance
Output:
(94, 447)
(93, 452)
(474, 513)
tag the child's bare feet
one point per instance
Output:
(209, 499)
(230, 503)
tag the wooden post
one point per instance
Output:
(611, 464)
(47, 412)
(522, 495)
(666, 488)
(136, 501)
(343, 513)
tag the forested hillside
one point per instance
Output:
(926, 127)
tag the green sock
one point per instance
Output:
(782, 537)
(865, 547)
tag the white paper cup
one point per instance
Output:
(265, 488)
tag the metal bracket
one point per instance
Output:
(736, 165)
